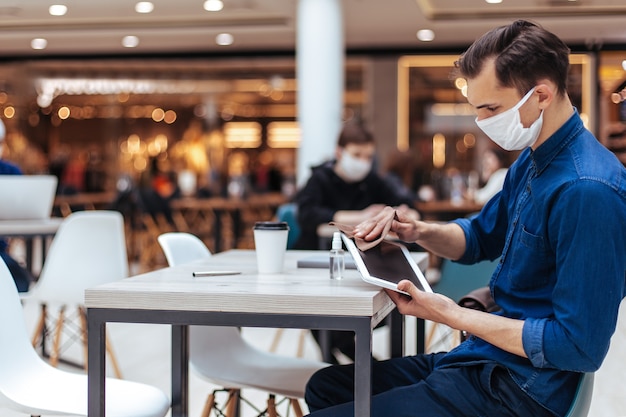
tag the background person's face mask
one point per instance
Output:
(506, 128)
(354, 169)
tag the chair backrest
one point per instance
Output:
(180, 248)
(17, 355)
(289, 213)
(582, 399)
(89, 249)
(457, 279)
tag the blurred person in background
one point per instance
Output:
(347, 189)
(494, 167)
(21, 275)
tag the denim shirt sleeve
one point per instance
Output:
(590, 252)
(484, 233)
(532, 340)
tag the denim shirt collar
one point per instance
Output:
(547, 151)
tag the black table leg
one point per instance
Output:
(180, 371)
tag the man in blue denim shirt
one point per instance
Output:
(559, 225)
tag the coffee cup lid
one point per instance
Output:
(271, 226)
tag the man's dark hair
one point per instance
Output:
(354, 132)
(524, 53)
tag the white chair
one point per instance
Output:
(89, 249)
(180, 248)
(222, 356)
(31, 386)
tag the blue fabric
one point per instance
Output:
(559, 224)
(7, 168)
(413, 386)
(20, 275)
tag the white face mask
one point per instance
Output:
(353, 169)
(506, 128)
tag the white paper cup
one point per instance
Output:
(270, 241)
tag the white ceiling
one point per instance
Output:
(182, 26)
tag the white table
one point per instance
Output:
(296, 298)
(29, 230)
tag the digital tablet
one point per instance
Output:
(386, 264)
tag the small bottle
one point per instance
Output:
(337, 261)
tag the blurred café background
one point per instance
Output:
(223, 106)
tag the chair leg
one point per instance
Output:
(233, 401)
(295, 405)
(430, 336)
(113, 359)
(301, 340)
(82, 314)
(56, 344)
(271, 406)
(208, 405)
(39, 333)
(448, 341)
(277, 336)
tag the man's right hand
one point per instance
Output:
(445, 240)
(403, 225)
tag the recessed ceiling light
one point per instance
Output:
(144, 7)
(57, 10)
(39, 43)
(494, 1)
(425, 35)
(130, 41)
(213, 5)
(624, 64)
(224, 39)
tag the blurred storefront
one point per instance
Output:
(228, 127)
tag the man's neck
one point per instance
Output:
(554, 117)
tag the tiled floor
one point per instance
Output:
(143, 354)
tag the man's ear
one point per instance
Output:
(546, 92)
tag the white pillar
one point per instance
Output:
(320, 77)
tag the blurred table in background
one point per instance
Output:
(65, 204)
(446, 210)
(228, 221)
(34, 231)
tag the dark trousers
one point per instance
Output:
(410, 387)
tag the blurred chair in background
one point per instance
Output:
(289, 213)
(582, 400)
(89, 249)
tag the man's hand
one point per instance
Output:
(425, 305)
(403, 224)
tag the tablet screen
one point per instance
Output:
(387, 261)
